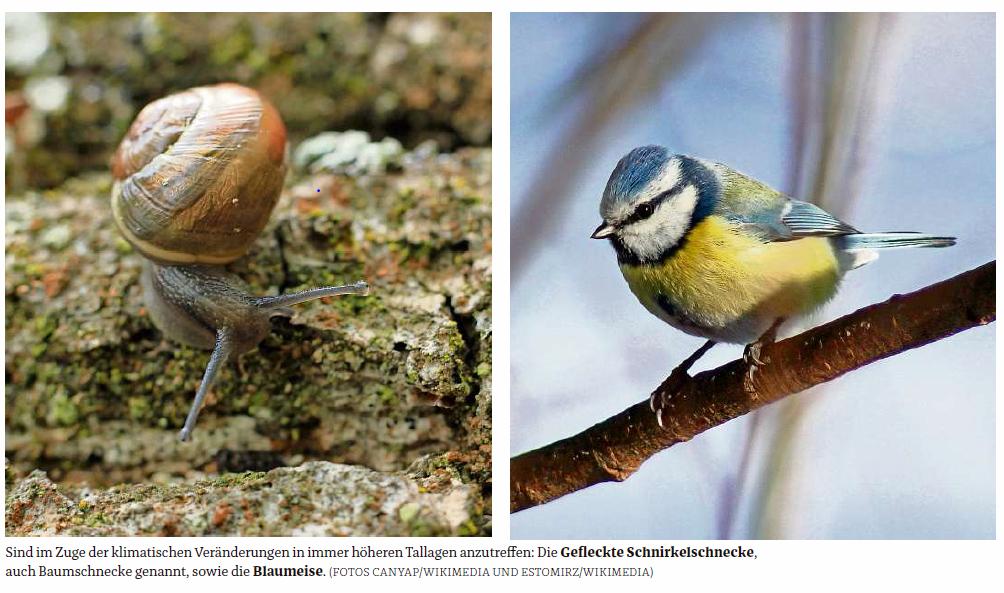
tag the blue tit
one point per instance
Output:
(720, 255)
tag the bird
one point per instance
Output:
(720, 255)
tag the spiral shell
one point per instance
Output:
(198, 173)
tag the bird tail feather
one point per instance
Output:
(893, 241)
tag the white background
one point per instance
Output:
(782, 566)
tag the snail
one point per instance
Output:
(195, 180)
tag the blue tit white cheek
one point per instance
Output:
(650, 238)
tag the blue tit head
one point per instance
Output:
(652, 200)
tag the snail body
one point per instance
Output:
(196, 178)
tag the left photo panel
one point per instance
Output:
(248, 274)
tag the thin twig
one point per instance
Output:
(615, 448)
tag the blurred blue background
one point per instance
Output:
(887, 121)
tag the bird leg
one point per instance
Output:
(751, 355)
(659, 400)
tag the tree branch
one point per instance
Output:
(614, 449)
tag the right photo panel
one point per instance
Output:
(752, 272)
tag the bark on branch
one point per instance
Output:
(615, 448)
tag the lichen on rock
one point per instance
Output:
(317, 498)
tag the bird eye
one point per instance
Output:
(645, 210)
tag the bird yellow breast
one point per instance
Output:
(721, 277)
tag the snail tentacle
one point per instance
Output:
(295, 298)
(221, 353)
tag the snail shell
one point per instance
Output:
(198, 174)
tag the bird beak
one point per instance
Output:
(603, 231)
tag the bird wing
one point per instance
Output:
(760, 210)
(788, 220)
(808, 220)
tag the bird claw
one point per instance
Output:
(751, 355)
(752, 358)
(660, 399)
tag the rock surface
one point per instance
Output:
(95, 395)
(317, 498)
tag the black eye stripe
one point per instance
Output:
(648, 208)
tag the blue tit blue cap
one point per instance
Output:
(631, 175)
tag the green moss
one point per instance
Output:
(234, 480)
(472, 199)
(139, 408)
(387, 396)
(123, 247)
(232, 47)
(419, 527)
(408, 512)
(45, 325)
(468, 528)
(35, 269)
(96, 520)
(62, 410)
